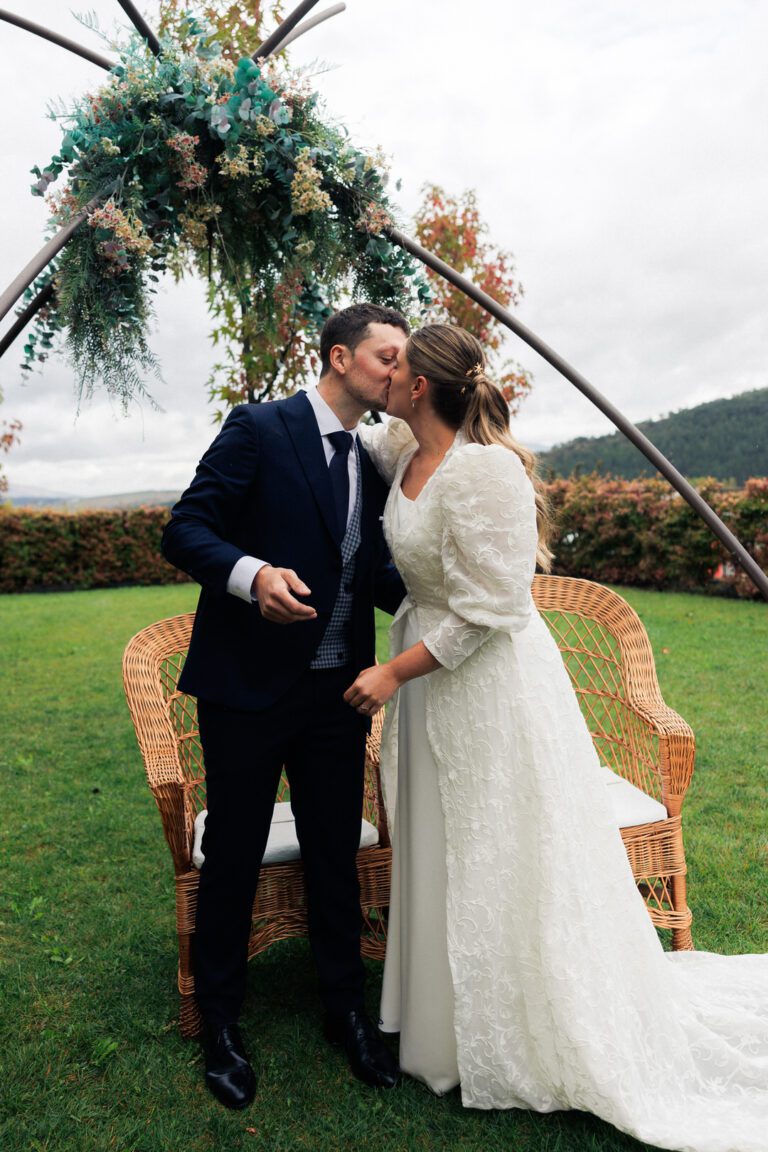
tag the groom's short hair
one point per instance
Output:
(350, 325)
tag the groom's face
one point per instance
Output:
(371, 365)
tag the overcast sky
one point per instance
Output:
(620, 150)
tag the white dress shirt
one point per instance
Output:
(244, 572)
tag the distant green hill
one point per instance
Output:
(727, 439)
(153, 498)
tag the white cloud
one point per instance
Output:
(619, 151)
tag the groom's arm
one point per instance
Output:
(198, 537)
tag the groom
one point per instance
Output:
(281, 526)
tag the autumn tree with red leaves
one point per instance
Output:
(451, 228)
(9, 435)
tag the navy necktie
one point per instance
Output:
(339, 473)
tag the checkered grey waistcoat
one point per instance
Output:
(334, 648)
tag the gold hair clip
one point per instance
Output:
(474, 373)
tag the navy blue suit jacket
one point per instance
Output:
(263, 489)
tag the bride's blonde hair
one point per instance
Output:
(464, 397)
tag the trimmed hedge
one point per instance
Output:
(45, 551)
(632, 532)
(641, 533)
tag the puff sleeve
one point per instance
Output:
(385, 444)
(489, 550)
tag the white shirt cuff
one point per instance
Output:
(242, 575)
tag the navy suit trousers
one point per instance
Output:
(321, 742)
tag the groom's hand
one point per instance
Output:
(274, 589)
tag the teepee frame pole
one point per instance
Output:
(141, 25)
(273, 42)
(308, 25)
(21, 321)
(55, 38)
(47, 253)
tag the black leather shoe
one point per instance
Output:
(369, 1058)
(227, 1071)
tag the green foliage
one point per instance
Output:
(190, 160)
(236, 26)
(727, 439)
(615, 531)
(641, 533)
(47, 550)
(92, 1058)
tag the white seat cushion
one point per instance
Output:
(631, 806)
(283, 844)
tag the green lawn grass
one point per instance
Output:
(90, 1056)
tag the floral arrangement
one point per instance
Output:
(227, 168)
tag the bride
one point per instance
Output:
(503, 974)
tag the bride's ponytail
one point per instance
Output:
(464, 397)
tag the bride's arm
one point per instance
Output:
(489, 550)
(374, 686)
(385, 443)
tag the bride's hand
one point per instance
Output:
(372, 688)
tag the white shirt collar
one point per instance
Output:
(327, 420)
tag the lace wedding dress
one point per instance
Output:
(504, 973)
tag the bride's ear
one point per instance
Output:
(419, 387)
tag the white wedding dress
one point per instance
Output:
(504, 972)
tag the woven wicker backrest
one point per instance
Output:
(606, 651)
(165, 716)
(602, 640)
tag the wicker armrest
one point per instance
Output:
(178, 818)
(158, 741)
(677, 747)
(374, 794)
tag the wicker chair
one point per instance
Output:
(166, 729)
(609, 659)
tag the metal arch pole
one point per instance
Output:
(43, 258)
(62, 41)
(34, 306)
(141, 26)
(649, 450)
(292, 19)
(38, 263)
(309, 24)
